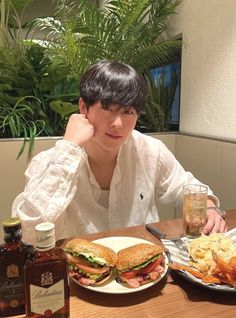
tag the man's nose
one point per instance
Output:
(117, 121)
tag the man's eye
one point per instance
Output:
(129, 112)
(108, 108)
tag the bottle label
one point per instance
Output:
(11, 293)
(46, 301)
(11, 285)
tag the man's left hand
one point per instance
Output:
(215, 222)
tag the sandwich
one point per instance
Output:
(89, 263)
(140, 264)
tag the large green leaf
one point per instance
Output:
(63, 108)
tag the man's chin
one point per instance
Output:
(111, 149)
(108, 145)
(112, 146)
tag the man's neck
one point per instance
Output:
(99, 156)
(102, 164)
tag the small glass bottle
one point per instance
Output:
(13, 254)
(46, 277)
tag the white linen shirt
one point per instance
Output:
(61, 188)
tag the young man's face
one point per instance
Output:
(112, 124)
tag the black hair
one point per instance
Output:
(113, 83)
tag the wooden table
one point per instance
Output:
(171, 297)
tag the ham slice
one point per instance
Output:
(132, 282)
(138, 279)
(86, 281)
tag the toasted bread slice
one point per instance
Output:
(93, 250)
(137, 254)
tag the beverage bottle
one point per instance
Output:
(13, 254)
(46, 277)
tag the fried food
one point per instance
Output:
(213, 259)
(186, 268)
(225, 271)
(201, 249)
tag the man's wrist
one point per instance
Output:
(218, 210)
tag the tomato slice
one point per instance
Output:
(130, 274)
(76, 259)
(151, 266)
(93, 270)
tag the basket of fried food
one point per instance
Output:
(212, 259)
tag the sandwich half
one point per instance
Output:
(89, 263)
(140, 264)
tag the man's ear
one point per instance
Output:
(82, 107)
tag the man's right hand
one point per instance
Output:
(78, 129)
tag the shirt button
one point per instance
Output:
(63, 187)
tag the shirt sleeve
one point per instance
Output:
(171, 177)
(51, 183)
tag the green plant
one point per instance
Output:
(130, 31)
(33, 92)
(156, 116)
(26, 70)
(10, 20)
(77, 36)
(19, 120)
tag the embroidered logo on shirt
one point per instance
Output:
(141, 196)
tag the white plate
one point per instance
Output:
(112, 287)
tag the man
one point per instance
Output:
(104, 174)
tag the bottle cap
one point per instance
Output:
(45, 236)
(10, 222)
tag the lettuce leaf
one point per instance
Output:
(142, 265)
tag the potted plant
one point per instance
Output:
(39, 81)
(31, 88)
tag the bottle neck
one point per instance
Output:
(44, 248)
(45, 236)
(13, 234)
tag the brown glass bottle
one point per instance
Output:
(13, 254)
(46, 277)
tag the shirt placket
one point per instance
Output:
(113, 214)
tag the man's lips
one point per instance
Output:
(113, 136)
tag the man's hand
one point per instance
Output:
(215, 223)
(78, 130)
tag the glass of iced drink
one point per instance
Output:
(194, 209)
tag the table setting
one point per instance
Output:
(171, 295)
(113, 286)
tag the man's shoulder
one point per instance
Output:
(145, 140)
(144, 150)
